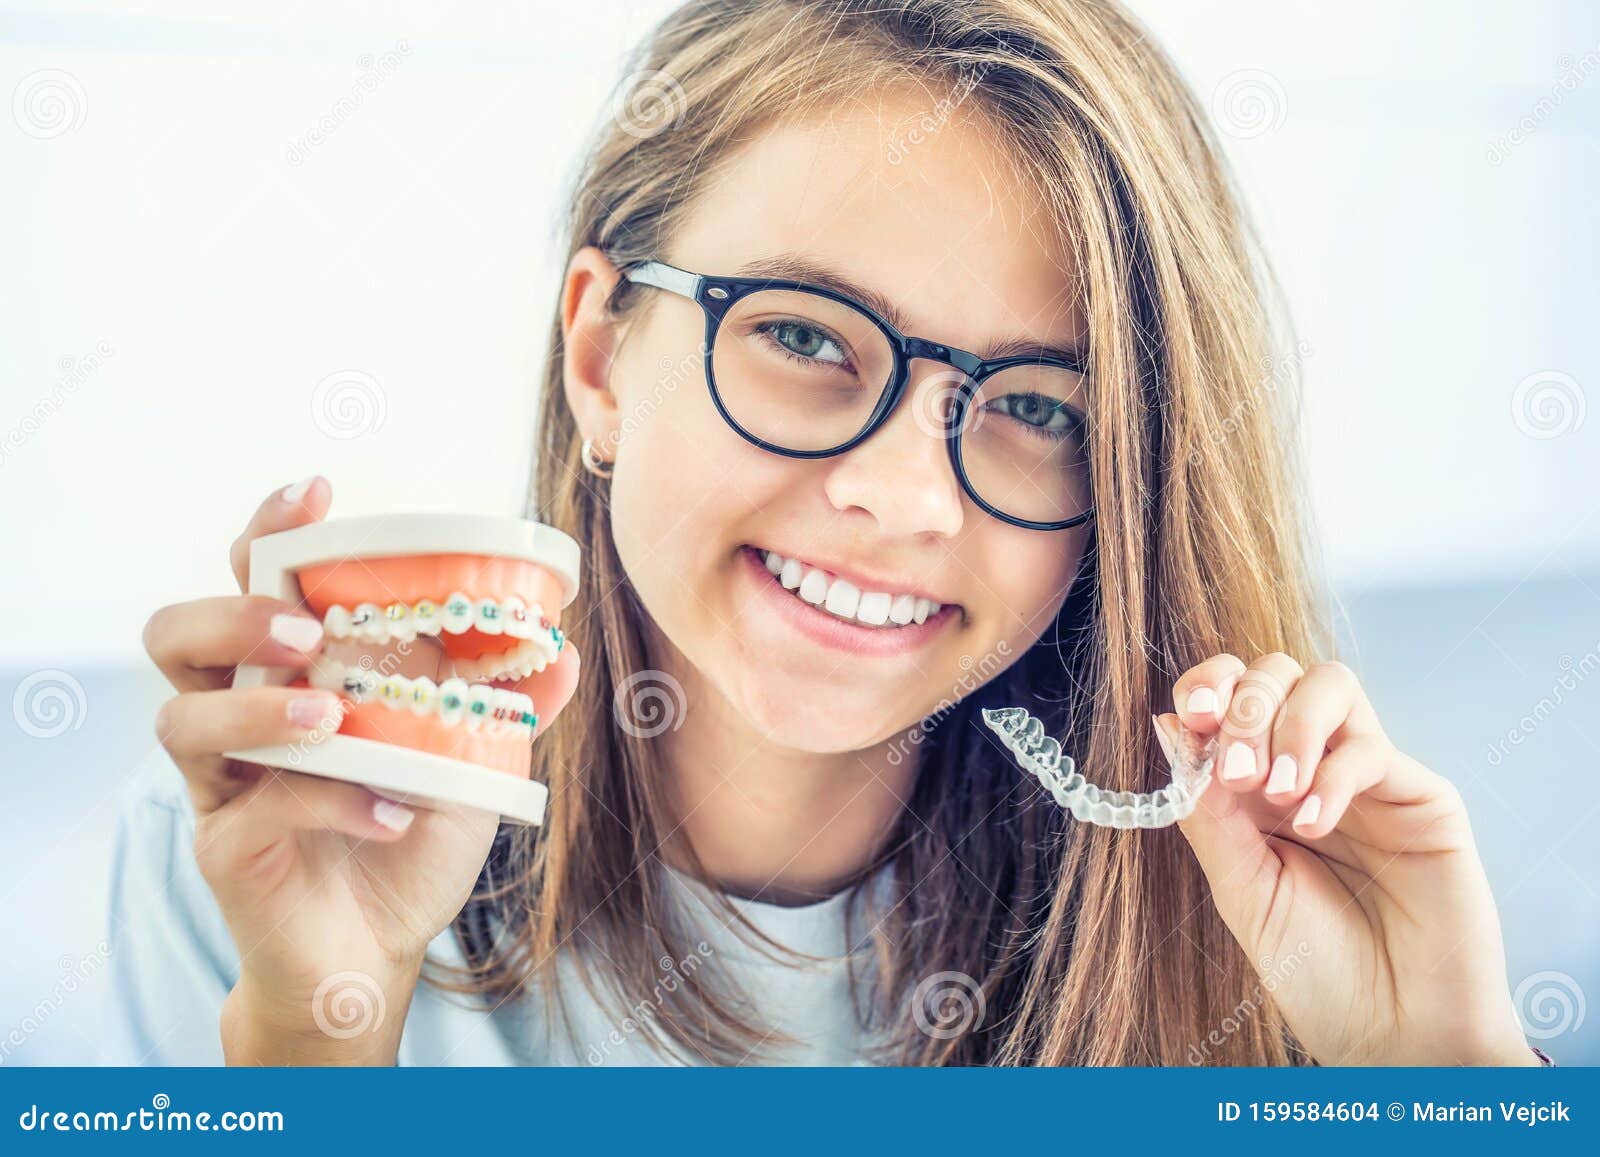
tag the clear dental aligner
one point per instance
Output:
(455, 615)
(455, 701)
(1025, 737)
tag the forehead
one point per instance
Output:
(912, 198)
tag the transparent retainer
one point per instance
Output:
(1040, 753)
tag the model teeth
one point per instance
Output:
(402, 622)
(453, 701)
(843, 599)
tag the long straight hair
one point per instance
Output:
(1089, 946)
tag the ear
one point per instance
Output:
(590, 337)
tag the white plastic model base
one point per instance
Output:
(401, 773)
(1024, 736)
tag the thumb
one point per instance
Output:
(1237, 861)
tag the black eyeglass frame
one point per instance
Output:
(715, 295)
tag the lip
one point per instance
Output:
(860, 579)
(831, 631)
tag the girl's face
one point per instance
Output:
(935, 222)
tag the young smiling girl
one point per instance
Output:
(952, 305)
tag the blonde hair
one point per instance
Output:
(1090, 946)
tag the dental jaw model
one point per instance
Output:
(1024, 736)
(430, 622)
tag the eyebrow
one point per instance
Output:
(795, 267)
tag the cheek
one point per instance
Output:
(1024, 596)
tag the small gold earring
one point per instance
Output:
(593, 463)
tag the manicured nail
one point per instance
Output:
(297, 632)
(1239, 763)
(1161, 738)
(1201, 701)
(314, 709)
(1282, 776)
(395, 817)
(1309, 811)
(293, 494)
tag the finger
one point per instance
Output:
(1318, 706)
(230, 841)
(1200, 695)
(1343, 774)
(197, 644)
(196, 728)
(552, 688)
(1238, 863)
(1248, 715)
(285, 509)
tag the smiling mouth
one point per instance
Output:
(825, 591)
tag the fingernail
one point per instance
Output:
(293, 494)
(1281, 778)
(1201, 701)
(1239, 763)
(313, 710)
(395, 817)
(297, 632)
(1161, 738)
(1309, 811)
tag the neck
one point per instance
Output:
(772, 823)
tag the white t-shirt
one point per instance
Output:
(173, 964)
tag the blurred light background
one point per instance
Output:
(244, 245)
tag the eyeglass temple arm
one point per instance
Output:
(668, 277)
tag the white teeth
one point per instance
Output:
(486, 617)
(393, 692)
(397, 618)
(814, 587)
(518, 624)
(424, 695)
(425, 616)
(327, 674)
(367, 623)
(874, 608)
(843, 599)
(458, 613)
(336, 623)
(480, 700)
(452, 700)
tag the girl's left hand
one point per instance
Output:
(1346, 869)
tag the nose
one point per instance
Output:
(902, 474)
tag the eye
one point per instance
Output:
(1047, 416)
(807, 341)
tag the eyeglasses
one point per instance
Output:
(806, 372)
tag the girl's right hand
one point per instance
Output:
(332, 893)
